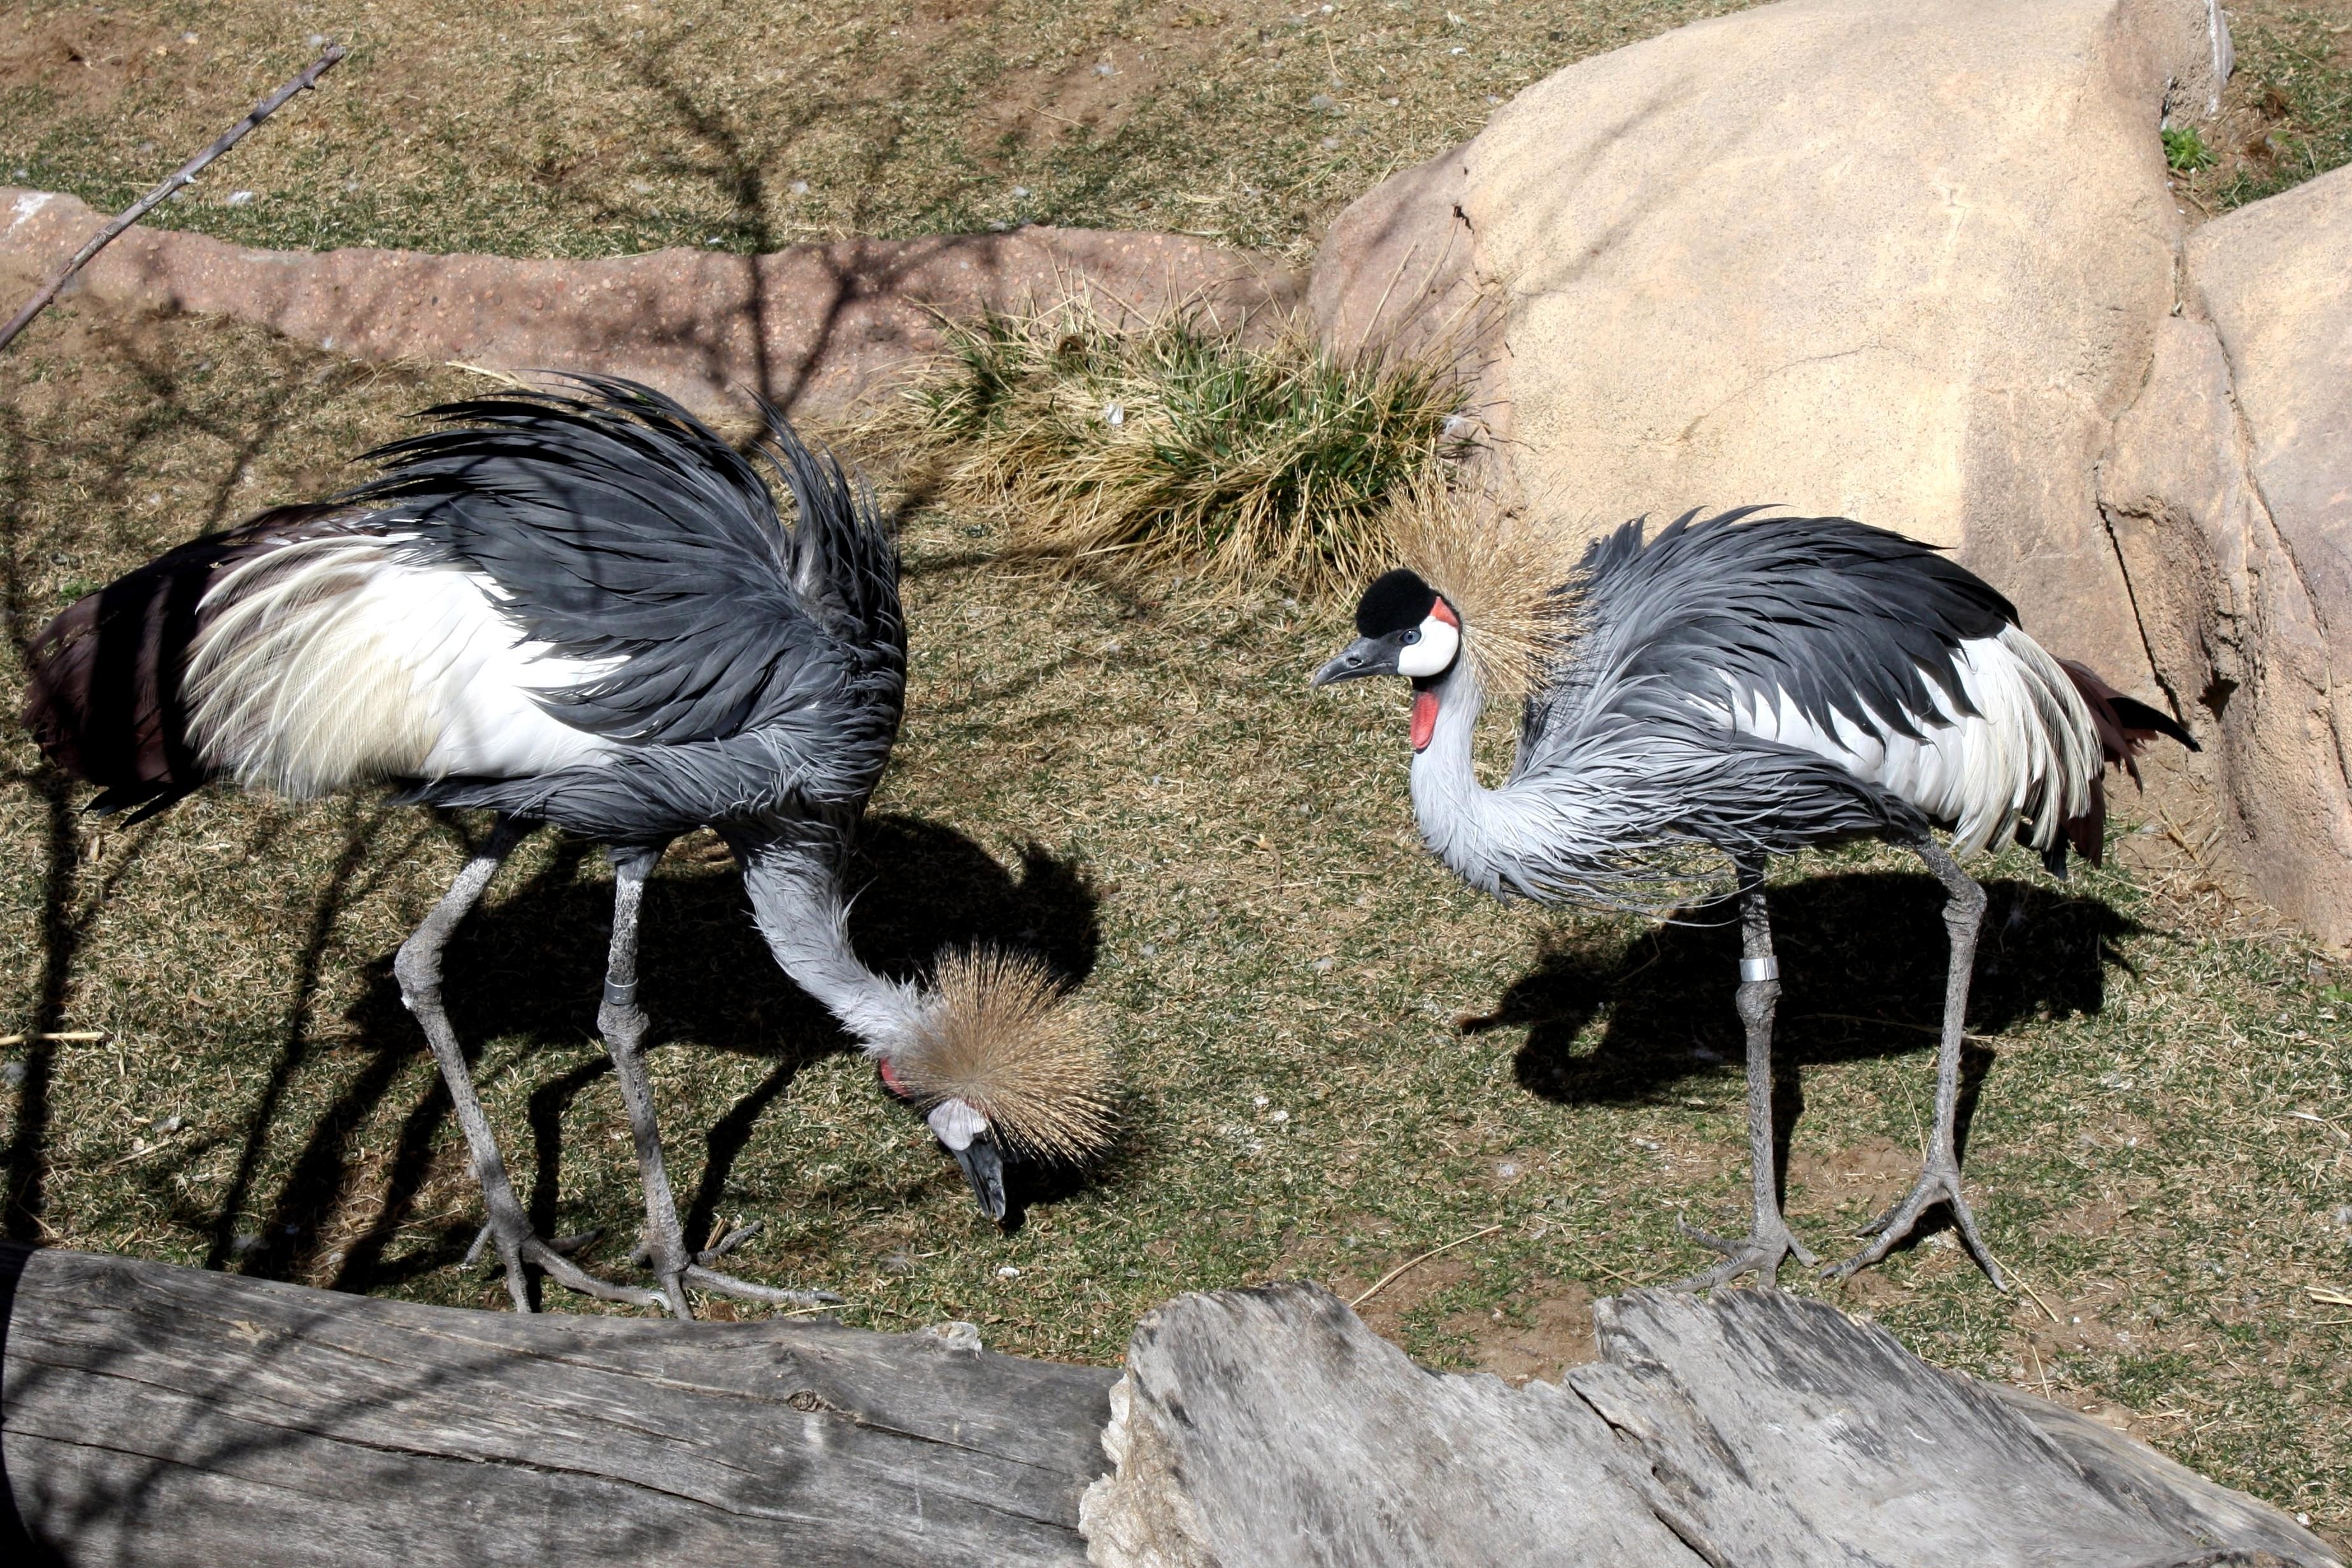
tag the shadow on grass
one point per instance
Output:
(1863, 961)
(531, 964)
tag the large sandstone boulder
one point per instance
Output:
(1916, 261)
(2228, 494)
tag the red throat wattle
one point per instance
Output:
(1424, 719)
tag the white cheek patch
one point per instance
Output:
(1433, 653)
(956, 1123)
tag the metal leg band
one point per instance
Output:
(1752, 970)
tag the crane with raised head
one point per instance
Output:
(580, 607)
(1746, 686)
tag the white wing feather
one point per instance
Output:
(338, 661)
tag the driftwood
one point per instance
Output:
(163, 1415)
(1270, 1428)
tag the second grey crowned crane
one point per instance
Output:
(582, 610)
(1750, 686)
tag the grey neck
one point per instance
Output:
(794, 883)
(1464, 823)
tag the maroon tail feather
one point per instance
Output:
(105, 701)
(2125, 726)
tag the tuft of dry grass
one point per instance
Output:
(1002, 1038)
(1510, 577)
(1177, 444)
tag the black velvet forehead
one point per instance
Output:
(1399, 600)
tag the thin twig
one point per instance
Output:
(182, 177)
(1385, 1280)
(1935, 1029)
(62, 1038)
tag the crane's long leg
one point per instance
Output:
(1940, 1176)
(1769, 1241)
(624, 1024)
(418, 969)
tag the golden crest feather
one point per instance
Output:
(1511, 579)
(1003, 1037)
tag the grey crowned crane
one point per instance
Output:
(1750, 685)
(582, 610)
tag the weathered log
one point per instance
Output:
(1270, 1427)
(163, 1415)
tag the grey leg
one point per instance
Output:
(623, 1023)
(1769, 1241)
(1940, 1176)
(418, 969)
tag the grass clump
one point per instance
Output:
(2185, 150)
(1178, 444)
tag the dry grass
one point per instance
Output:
(1181, 444)
(1337, 1057)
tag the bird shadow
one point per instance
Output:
(1863, 962)
(531, 966)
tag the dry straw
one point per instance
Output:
(1178, 443)
(1002, 1037)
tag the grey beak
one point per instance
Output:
(1365, 655)
(983, 1167)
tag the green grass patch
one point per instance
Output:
(1182, 443)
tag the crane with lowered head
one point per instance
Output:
(581, 608)
(1748, 686)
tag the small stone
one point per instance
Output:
(1323, 966)
(13, 1074)
(1114, 415)
(318, 40)
(1103, 69)
(1008, 1272)
(243, 1242)
(1323, 104)
(1020, 193)
(1260, 1101)
(191, 37)
(1507, 1170)
(2343, 1215)
(1278, 1116)
(958, 1335)
(1149, 950)
(239, 198)
(1328, 143)
(1457, 49)
(798, 187)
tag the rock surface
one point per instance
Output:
(815, 326)
(2228, 494)
(1918, 263)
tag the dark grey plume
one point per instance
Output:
(763, 666)
(1846, 619)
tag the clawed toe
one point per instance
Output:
(1939, 1182)
(1760, 1254)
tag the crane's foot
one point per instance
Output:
(1761, 1254)
(1939, 1183)
(521, 1248)
(718, 1284)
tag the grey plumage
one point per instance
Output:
(762, 670)
(1741, 687)
(580, 607)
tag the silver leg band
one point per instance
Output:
(1752, 970)
(626, 995)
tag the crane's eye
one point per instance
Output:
(1411, 637)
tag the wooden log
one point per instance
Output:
(1271, 1428)
(164, 1415)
